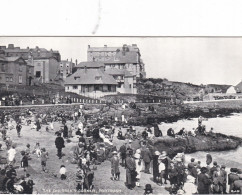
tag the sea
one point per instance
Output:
(230, 125)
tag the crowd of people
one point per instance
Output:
(98, 141)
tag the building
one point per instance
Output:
(15, 71)
(64, 70)
(126, 81)
(94, 83)
(238, 87)
(45, 62)
(91, 65)
(231, 90)
(125, 57)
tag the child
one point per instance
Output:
(63, 172)
(37, 149)
(43, 157)
(27, 151)
(24, 161)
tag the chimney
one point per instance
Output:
(10, 46)
(105, 45)
(28, 47)
(67, 59)
(76, 62)
(89, 46)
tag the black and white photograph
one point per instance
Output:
(121, 115)
(121, 97)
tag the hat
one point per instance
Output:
(148, 188)
(223, 166)
(138, 151)
(178, 159)
(161, 157)
(137, 156)
(215, 163)
(156, 153)
(204, 169)
(130, 141)
(62, 166)
(114, 152)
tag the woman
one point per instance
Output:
(138, 164)
(115, 166)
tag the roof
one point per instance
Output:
(12, 59)
(238, 87)
(115, 71)
(123, 58)
(88, 76)
(113, 49)
(90, 64)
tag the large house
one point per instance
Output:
(45, 62)
(94, 83)
(125, 80)
(125, 57)
(15, 71)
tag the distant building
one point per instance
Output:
(231, 90)
(65, 69)
(125, 57)
(15, 71)
(45, 62)
(94, 83)
(91, 65)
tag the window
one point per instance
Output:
(20, 79)
(130, 85)
(20, 68)
(119, 85)
(75, 86)
(98, 78)
(3, 68)
(7, 79)
(38, 74)
(61, 65)
(11, 79)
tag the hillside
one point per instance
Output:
(163, 87)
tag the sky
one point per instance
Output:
(198, 60)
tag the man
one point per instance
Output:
(147, 157)
(59, 143)
(203, 182)
(214, 168)
(145, 134)
(157, 131)
(18, 128)
(122, 151)
(130, 171)
(11, 155)
(224, 176)
(232, 177)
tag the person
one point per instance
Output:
(37, 149)
(157, 131)
(65, 131)
(38, 127)
(181, 132)
(145, 134)
(59, 143)
(170, 132)
(11, 155)
(203, 181)
(232, 177)
(189, 185)
(209, 159)
(63, 172)
(172, 174)
(148, 189)
(2, 179)
(122, 151)
(18, 128)
(80, 127)
(8, 143)
(155, 165)
(79, 178)
(71, 130)
(138, 165)
(214, 168)
(223, 178)
(147, 157)
(51, 125)
(130, 171)
(180, 167)
(115, 166)
(161, 169)
(24, 161)
(43, 159)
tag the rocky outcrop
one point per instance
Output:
(190, 144)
